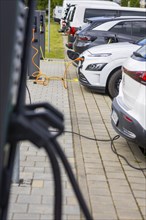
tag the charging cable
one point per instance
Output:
(112, 146)
(43, 79)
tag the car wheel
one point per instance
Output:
(113, 83)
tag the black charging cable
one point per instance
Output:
(124, 158)
(47, 134)
(112, 146)
(57, 181)
(29, 95)
(73, 181)
(102, 140)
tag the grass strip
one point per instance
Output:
(56, 49)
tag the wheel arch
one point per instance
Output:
(111, 73)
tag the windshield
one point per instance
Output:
(141, 52)
(141, 42)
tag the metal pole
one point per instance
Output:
(49, 25)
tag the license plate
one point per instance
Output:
(114, 117)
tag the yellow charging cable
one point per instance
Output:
(43, 79)
(36, 53)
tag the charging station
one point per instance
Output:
(34, 56)
(12, 26)
(42, 33)
(37, 50)
(19, 121)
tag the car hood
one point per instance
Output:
(111, 48)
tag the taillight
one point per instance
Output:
(139, 76)
(63, 23)
(127, 118)
(84, 38)
(72, 31)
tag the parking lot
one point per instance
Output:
(113, 190)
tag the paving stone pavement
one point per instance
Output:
(112, 189)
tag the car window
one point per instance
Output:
(90, 12)
(122, 27)
(68, 15)
(131, 13)
(65, 13)
(71, 13)
(139, 28)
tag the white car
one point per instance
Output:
(129, 107)
(100, 69)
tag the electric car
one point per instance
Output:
(119, 29)
(129, 107)
(100, 69)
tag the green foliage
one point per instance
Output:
(56, 2)
(42, 4)
(134, 3)
(124, 3)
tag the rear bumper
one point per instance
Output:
(69, 45)
(128, 127)
(57, 20)
(84, 82)
(79, 49)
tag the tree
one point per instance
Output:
(55, 2)
(134, 3)
(42, 4)
(124, 3)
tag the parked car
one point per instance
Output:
(68, 9)
(78, 13)
(63, 27)
(129, 107)
(124, 29)
(100, 69)
(57, 12)
(90, 23)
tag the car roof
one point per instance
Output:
(113, 22)
(113, 18)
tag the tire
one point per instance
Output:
(113, 83)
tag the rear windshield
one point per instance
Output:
(90, 25)
(97, 23)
